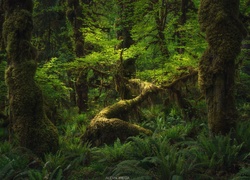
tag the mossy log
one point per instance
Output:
(107, 126)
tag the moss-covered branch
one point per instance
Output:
(107, 126)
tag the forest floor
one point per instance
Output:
(176, 150)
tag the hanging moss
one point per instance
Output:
(108, 125)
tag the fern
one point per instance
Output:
(132, 169)
(53, 161)
(172, 162)
(35, 175)
(12, 165)
(57, 174)
(243, 134)
(155, 154)
(143, 146)
(30, 173)
(6, 169)
(113, 153)
(218, 152)
(243, 174)
(5, 147)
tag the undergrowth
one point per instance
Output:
(177, 150)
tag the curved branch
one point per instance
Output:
(107, 126)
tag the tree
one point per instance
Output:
(49, 23)
(126, 67)
(224, 33)
(27, 117)
(76, 18)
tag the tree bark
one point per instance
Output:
(224, 33)
(29, 122)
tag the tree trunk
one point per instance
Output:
(224, 33)
(82, 90)
(75, 16)
(161, 19)
(126, 67)
(182, 21)
(29, 122)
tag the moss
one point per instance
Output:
(224, 33)
(106, 126)
(46, 137)
(17, 35)
(106, 131)
(30, 124)
(34, 130)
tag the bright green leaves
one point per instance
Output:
(52, 79)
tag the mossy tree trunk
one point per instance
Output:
(29, 122)
(224, 33)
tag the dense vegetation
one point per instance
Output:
(121, 82)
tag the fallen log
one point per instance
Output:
(107, 126)
(112, 123)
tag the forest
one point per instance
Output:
(124, 89)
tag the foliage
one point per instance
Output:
(113, 153)
(243, 174)
(216, 155)
(49, 77)
(177, 149)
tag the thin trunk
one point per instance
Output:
(82, 91)
(182, 21)
(160, 19)
(75, 17)
(126, 67)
